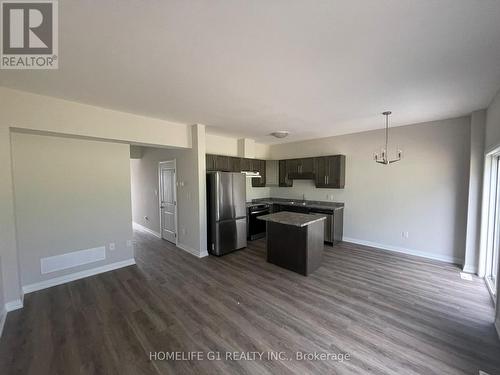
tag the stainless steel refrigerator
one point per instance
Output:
(226, 209)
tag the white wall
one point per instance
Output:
(221, 145)
(48, 115)
(8, 247)
(70, 195)
(425, 194)
(492, 139)
(256, 192)
(144, 177)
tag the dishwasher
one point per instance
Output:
(333, 223)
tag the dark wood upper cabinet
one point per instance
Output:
(300, 169)
(284, 181)
(210, 162)
(259, 166)
(234, 164)
(330, 171)
(326, 171)
(222, 163)
(246, 164)
(306, 165)
(292, 166)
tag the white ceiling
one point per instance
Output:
(247, 68)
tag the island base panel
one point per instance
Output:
(298, 249)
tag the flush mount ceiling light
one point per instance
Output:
(382, 157)
(280, 133)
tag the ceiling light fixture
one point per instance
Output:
(280, 133)
(383, 158)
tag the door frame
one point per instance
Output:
(160, 164)
(488, 221)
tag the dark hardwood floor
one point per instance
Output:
(393, 314)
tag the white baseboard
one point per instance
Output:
(77, 275)
(14, 305)
(72, 259)
(467, 268)
(143, 228)
(191, 251)
(3, 317)
(422, 254)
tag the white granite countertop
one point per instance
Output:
(293, 218)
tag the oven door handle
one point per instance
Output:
(259, 212)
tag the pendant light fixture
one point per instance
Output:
(383, 157)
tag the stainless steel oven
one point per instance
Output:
(256, 228)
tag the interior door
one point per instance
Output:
(168, 201)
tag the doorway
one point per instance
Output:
(168, 200)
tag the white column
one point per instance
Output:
(8, 248)
(246, 148)
(477, 138)
(199, 148)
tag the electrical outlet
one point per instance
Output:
(405, 235)
(129, 243)
(112, 246)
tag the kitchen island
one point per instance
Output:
(295, 240)
(334, 211)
